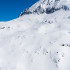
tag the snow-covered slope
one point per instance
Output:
(47, 6)
(36, 41)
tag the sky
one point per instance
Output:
(10, 9)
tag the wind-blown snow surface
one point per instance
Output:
(36, 42)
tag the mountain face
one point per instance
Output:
(39, 39)
(47, 6)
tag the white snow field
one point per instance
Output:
(37, 41)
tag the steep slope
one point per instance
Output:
(36, 42)
(47, 6)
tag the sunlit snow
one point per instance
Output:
(36, 42)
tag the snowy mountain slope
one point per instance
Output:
(47, 6)
(36, 42)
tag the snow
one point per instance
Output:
(49, 4)
(36, 42)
